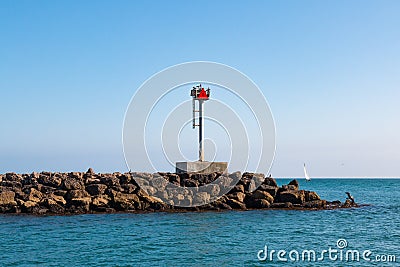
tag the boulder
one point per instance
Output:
(80, 204)
(221, 205)
(47, 189)
(311, 196)
(124, 201)
(28, 206)
(12, 177)
(90, 171)
(7, 198)
(239, 196)
(34, 195)
(153, 202)
(49, 180)
(317, 204)
(348, 204)
(58, 199)
(250, 186)
(190, 183)
(76, 175)
(174, 178)
(76, 194)
(257, 203)
(124, 178)
(284, 205)
(141, 181)
(295, 184)
(72, 184)
(129, 188)
(100, 202)
(237, 188)
(96, 189)
(110, 181)
(52, 206)
(272, 190)
(234, 204)
(258, 194)
(270, 181)
(292, 196)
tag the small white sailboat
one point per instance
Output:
(306, 174)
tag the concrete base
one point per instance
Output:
(201, 167)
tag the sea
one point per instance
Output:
(366, 236)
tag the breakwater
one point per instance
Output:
(90, 192)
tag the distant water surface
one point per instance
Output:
(230, 238)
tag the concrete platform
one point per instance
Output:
(201, 167)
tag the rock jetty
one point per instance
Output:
(90, 192)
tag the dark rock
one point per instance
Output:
(90, 171)
(348, 204)
(124, 201)
(292, 196)
(11, 184)
(311, 196)
(72, 184)
(237, 188)
(49, 180)
(286, 205)
(129, 188)
(234, 204)
(250, 186)
(272, 190)
(222, 206)
(239, 196)
(52, 206)
(318, 204)
(47, 189)
(96, 189)
(190, 183)
(335, 202)
(76, 194)
(174, 178)
(125, 179)
(77, 175)
(258, 194)
(295, 183)
(79, 205)
(257, 203)
(100, 203)
(12, 177)
(270, 181)
(60, 192)
(110, 181)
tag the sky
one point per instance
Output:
(330, 71)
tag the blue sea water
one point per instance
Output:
(231, 238)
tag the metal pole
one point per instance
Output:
(201, 131)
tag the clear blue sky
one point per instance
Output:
(329, 69)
